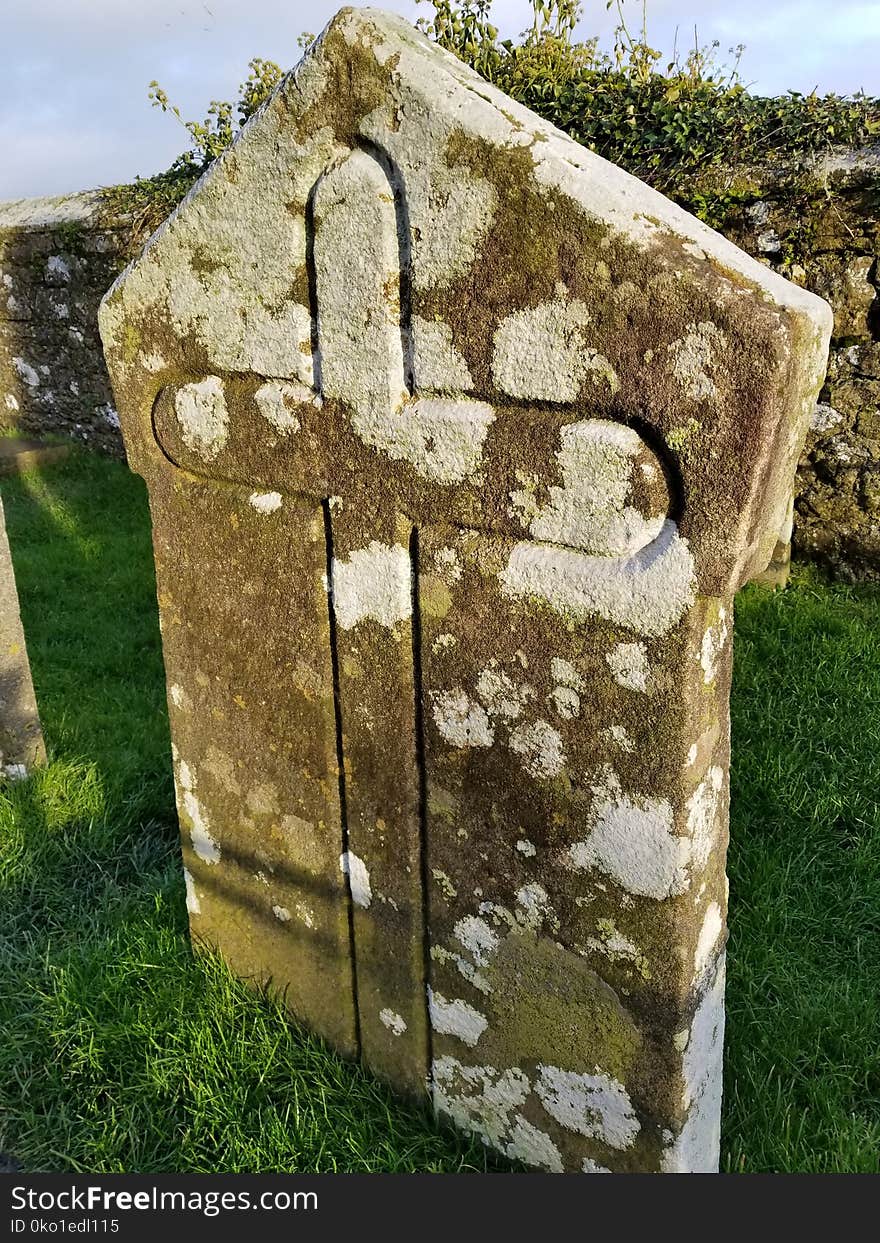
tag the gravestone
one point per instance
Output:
(21, 738)
(459, 441)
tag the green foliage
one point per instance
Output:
(150, 199)
(669, 126)
(802, 1083)
(210, 137)
(679, 125)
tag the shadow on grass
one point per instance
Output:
(121, 1050)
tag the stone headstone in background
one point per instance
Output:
(459, 441)
(21, 738)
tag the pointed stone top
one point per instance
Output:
(393, 241)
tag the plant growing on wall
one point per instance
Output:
(150, 199)
(675, 123)
(667, 123)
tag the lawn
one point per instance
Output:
(121, 1051)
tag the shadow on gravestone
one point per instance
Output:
(21, 738)
(459, 441)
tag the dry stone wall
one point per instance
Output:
(57, 259)
(819, 225)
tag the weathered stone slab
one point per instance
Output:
(459, 441)
(21, 738)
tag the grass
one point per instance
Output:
(121, 1051)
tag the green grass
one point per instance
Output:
(803, 1068)
(121, 1051)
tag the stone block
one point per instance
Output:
(459, 441)
(21, 738)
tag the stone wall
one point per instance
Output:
(816, 223)
(57, 258)
(819, 225)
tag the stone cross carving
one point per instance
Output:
(459, 441)
(21, 738)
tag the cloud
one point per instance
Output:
(74, 110)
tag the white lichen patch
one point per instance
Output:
(710, 934)
(647, 593)
(463, 966)
(824, 418)
(565, 674)
(56, 265)
(395, 1022)
(265, 502)
(616, 947)
(534, 908)
(203, 417)
(533, 1147)
(631, 840)
(527, 848)
(272, 400)
(540, 748)
(374, 582)
(455, 1018)
(437, 364)
(447, 565)
(203, 843)
(477, 938)
(702, 809)
(109, 414)
(192, 898)
(596, 1106)
(567, 702)
(618, 735)
(152, 361)
(501, 695)
(26, 372)
(543, 353)
(712, 646)
(590, 1166)
(358, 878)
(629, 664)
(282, 914)
(692, 359)
(178, 696)
(696, 1148)
(457, 210)
(461, 720)
(479, 1099)
(441, 438)
(592, 509)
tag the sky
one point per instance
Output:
(74, 112)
